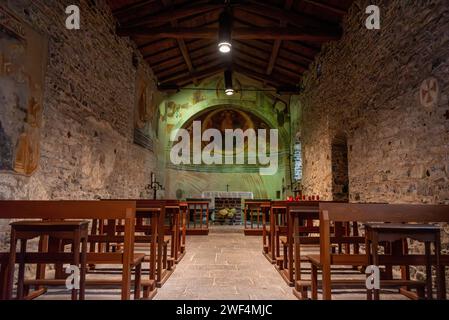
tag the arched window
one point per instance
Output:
(297, 160)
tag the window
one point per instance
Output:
(297, 161)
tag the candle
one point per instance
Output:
(153, 178)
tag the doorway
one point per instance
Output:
(340, 170)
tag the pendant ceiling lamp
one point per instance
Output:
(229, 89)
(225, 31)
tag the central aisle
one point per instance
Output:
(225, 265)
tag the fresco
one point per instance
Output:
(146, 116)
(228, 117)
(225, 118)
(23, 58)
(245, 109)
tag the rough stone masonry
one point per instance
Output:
(87, 148)
(368, 91)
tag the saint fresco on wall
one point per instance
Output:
(145, 115)
(23, 58)
(227, 118)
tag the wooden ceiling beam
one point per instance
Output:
(171, 14)
(238, 67)
(247, 17)
(168, 64)
(301, 49)
(179, 69)
(261, 64)
(288, 33)
(249, 58)
(286, 59)
(162, 56)
(256, 52)
(181, 44)
(278, 42)
(326, 6)
(131, 7)
(274, 56)
(292, 18)
(172, 56)
(209, 70)
(155, 42)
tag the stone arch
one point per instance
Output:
(249, 107)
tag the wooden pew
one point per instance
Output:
(278, 231)
(3, 274)
(362, 213)
(255, 210)
(304, 232)
(300, 217)
(84, 210)
(183, 207)
(162, 232)
(167, 233)
(197, 219)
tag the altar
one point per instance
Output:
(225, 194)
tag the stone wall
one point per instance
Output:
(86, 146)
(368, 90)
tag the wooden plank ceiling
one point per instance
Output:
(274, 41)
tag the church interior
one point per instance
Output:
(224, 150)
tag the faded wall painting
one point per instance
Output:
(225, 118)
(145, 115)
(23, 58)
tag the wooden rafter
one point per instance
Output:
(172, 56)
(208, 71)
(292, 18)
(256, 50)
(252, 57)
(262, 33)
(278, 42)
(181, 44)
(239, 68)
(305, 51)
(273, 41)
(326, 6)
(132, 7)
(168, 15)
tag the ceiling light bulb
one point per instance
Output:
(229, 92)
(224, 47)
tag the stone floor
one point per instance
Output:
(225, 265)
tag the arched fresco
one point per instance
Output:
(248, 109)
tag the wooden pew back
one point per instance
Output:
(344, 212)
(85, 210)
(385, 212)
(16, 209)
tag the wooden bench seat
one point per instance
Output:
(79, 210)
(331, 214)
